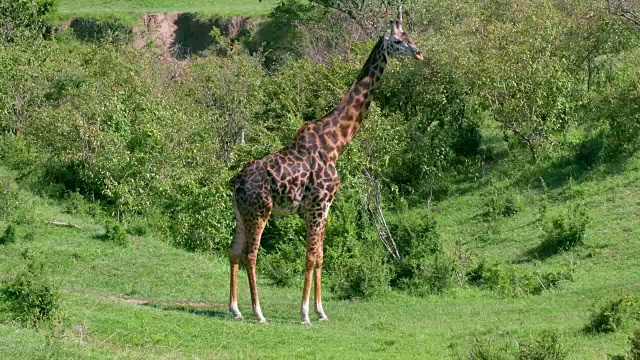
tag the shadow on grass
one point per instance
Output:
(579, 166)
(217, 311)
(544, 250)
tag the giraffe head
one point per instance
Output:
(397, 41)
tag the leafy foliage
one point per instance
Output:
(544, 347)
(30, 296)
(634, 353)
(24, 18)
(614, 314)
(116, 234)
(563, 232)
(8, 236)
(517, 281)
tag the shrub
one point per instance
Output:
(283, 242)
(95, 30)
(501, 205)
(487, 349)
(517, 281)
(8, 236)
(116, 234)
(284, 265)
(615, 314)
(424, 268)
(137, 229)
(75, 203)
(544, 347)
(30, 296)
(634, 353)
(199, 217)
(9, 196)
(467, 140)
(562, 233)
(15, 205)
(430, 275)
(19, 18)
(360, 277)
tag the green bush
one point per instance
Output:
(16, 205)
(116, 234)
(9, 235)
(360, 277)
(96, 30)
(486, 348)
(284, 265)
(544, 347)
(137, 228)
(23, 18)
(517, 281)
(75, 203)
(284, 246)
(423, 268)
(501, 205)
(562, 232)
(634, 352)
(30, 296)
(615, 314)
(430, 275)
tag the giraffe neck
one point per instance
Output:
(355, 104)
(337, 128)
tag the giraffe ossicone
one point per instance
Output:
(302, 178)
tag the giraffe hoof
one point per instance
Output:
(262, 322)
(306, 323)
(237, 317)
(323, 318)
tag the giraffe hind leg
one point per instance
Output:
(254, 228)
(236, 255)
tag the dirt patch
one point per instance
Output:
(181, 35)
(156, 29)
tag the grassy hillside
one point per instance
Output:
(507, 166)
(96, 277)
(69, 8)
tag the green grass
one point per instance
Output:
(94, 276)
(71, 8)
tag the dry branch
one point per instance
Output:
(378, 218)
(63, 224)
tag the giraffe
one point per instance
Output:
(302, 178)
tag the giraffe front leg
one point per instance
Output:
(316, 221)
(253, 230)
(318, 293)
(253, 287)
(306, 290)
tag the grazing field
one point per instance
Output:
(97, 278)
(506, 166)
(71, 8)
